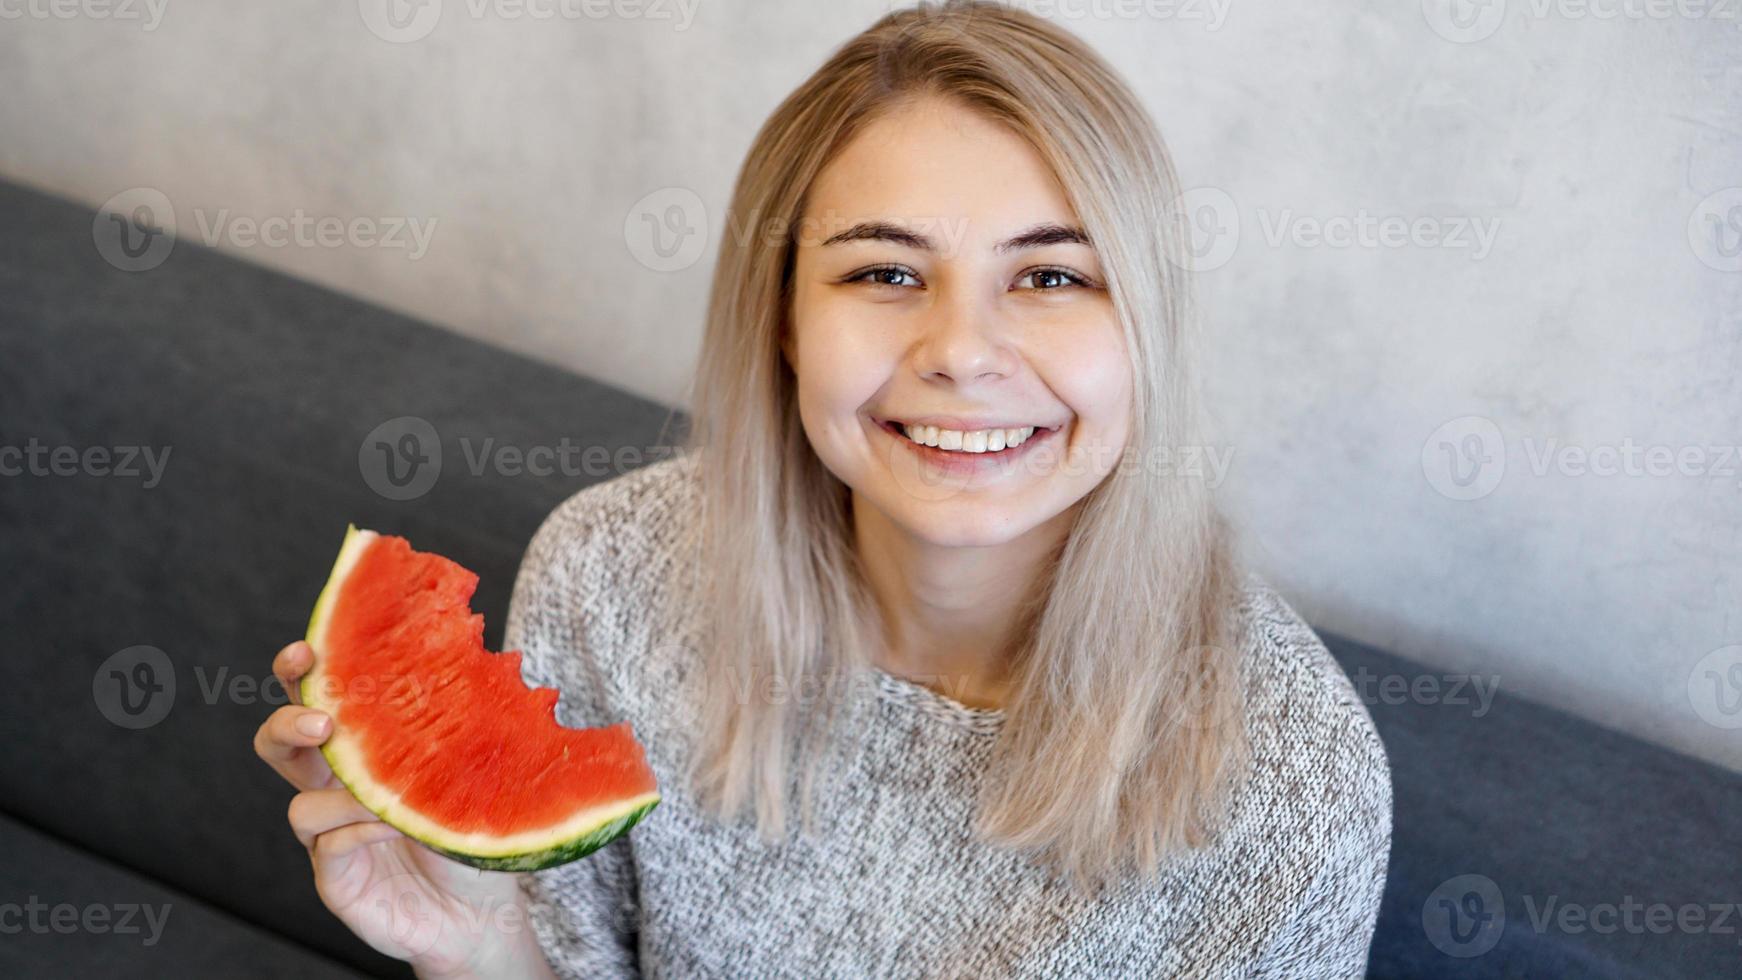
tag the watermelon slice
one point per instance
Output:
(440, 738)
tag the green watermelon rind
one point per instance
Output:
(570, 850)
(559, 849)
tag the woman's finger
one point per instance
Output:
(317, 811)
(290, 664)
(342, 841)
(288, 741)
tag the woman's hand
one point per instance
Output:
(409, 902)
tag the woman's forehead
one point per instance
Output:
(936, 162)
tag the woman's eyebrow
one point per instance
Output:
(1046, 233)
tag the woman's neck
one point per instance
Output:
(950, 615)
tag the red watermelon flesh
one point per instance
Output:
(440, 737)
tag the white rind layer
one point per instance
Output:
(345, 755)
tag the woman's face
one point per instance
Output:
(941, 280)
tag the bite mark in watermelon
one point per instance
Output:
(440, 737)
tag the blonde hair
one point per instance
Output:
(1125, 729)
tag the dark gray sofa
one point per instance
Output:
(263, 389)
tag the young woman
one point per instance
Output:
(923, 577)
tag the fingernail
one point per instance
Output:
(312, 723)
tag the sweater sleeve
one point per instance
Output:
(584, 912)
(1329, 934)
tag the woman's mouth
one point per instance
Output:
(967, 450)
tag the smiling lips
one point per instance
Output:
(966, 441)
(975, 441)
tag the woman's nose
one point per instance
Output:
(964, 340)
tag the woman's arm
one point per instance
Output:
(583, 913)
(1329, 933)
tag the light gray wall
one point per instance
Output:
(1568, 187)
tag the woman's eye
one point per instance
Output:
(1046, 280)
(884, 275)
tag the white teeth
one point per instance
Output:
(978, 441)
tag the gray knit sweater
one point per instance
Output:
(891, 884)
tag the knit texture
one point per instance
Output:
(890, 883)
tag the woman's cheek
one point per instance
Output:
(843, 362)
(1089, 371)
(851, 357)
